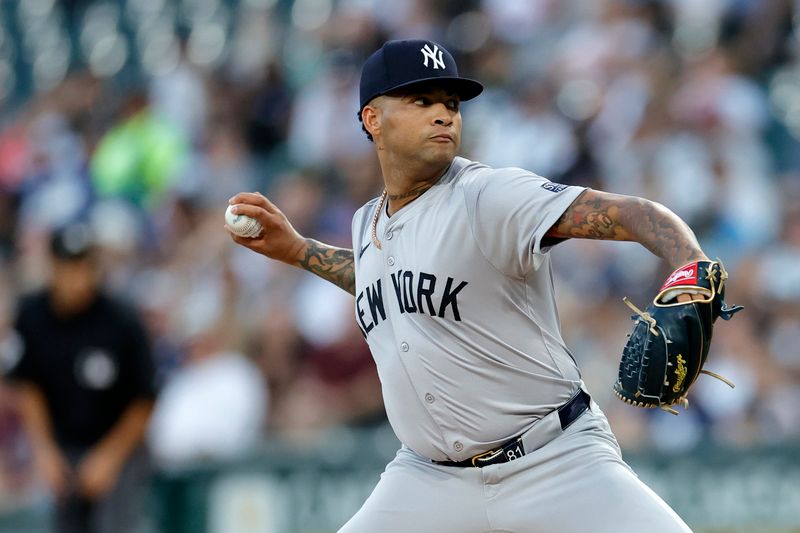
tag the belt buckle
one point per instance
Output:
(491, 455)
(508, 451)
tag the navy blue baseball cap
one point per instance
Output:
(400, 64)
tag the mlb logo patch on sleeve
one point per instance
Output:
(554, 187)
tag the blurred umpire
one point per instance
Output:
(83, 365)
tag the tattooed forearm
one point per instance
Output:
(600, 215)
(661, 231)
(329, 263)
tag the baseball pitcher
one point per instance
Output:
(454, 294)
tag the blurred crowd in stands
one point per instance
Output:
(144, 116)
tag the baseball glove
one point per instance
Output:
(668, 346)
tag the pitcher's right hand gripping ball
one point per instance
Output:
(277, 238)
(669, 344)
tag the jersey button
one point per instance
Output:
(390, 261)
(429, 398)
(404, 346)
(389, 235)
(457, 446)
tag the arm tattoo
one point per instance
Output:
(599, 215)
(330, 263)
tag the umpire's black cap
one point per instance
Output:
(399, 64)
(72, 242)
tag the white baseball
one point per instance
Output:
(242, 225)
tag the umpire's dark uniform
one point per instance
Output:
(89, 366)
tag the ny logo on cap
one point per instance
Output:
(434, 55)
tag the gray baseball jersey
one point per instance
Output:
(458, 308)
(459, 311)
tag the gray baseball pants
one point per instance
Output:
(575, 483)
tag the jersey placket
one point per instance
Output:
(394, 235)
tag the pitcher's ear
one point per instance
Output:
(371, 118)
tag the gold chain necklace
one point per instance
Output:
(382, 201)
(375, 217)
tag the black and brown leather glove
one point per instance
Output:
(669, 344)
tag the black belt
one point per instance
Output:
(513, 449)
